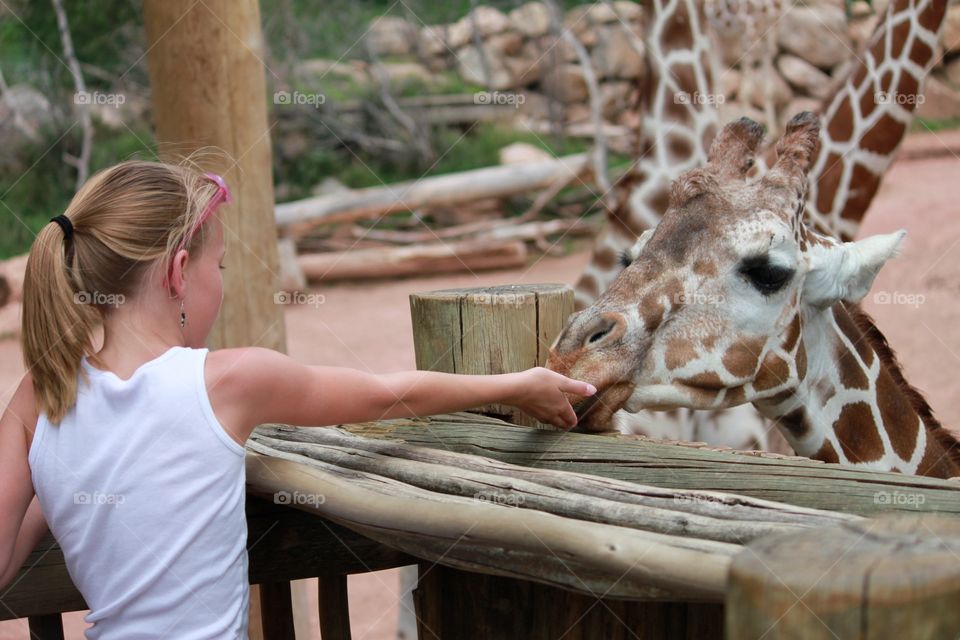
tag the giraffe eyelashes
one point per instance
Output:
(765, 277)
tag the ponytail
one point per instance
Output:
(57, 326)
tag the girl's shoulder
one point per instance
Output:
(234, 379)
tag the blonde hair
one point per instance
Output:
(127, 219)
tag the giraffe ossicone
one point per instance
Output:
(733, 298)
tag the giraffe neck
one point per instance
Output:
(852, 405)
(678, 120)
(869, 113)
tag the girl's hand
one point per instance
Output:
(540, 393)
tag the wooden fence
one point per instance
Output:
(534, 533)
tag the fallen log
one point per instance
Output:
(450, 189)
(407, 261)
(487, 230)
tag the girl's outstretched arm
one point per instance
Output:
(19, 529)
(254, 386)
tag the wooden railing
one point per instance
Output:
(284, 544)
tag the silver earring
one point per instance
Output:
(183, 316)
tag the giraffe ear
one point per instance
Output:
(846, 271)
(733, 151)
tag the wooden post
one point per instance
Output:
(500, 330)
(208, 90)
(887, 578)
(489, 330)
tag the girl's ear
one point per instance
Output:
(177, 280)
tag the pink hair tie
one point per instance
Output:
(221, 196)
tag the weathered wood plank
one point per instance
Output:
(694, 514)
(872, 579)
(801, 483)
(480, 536)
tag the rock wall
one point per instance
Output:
(519, 51)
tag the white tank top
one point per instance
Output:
(145, 492)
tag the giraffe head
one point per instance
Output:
(709, 309)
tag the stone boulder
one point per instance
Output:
(531, 19)
(392, 36)
(614, 55)
(434, 41)
(24, 111)
(566, 83)
(508, 62)
(486, 20)
(804, 76)
(816, 34)
(523, 153)
(780, 90)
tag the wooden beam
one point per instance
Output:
(208, 92)
(444, 190)
(804, 483)
(392, 262)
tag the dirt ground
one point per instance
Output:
(914, 301)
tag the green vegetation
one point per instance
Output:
(36, 183)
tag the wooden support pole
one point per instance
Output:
(489, 330)
(276, 606)
(334, 608)
(872, 579)
(208, 91)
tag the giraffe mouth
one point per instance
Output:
(595, 413)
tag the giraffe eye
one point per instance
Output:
(765, 277)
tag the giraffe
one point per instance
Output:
(867, 115)
(751, 23)
(734, 299)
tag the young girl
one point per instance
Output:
(136, 452)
